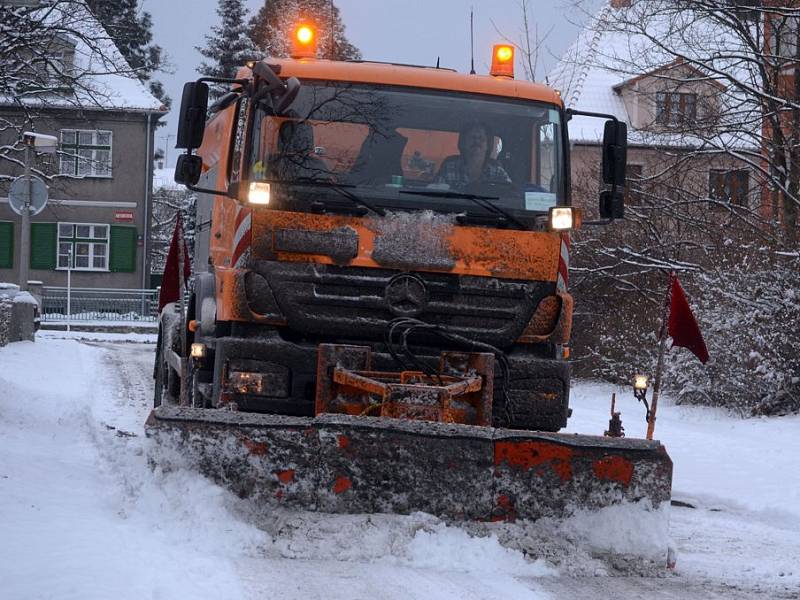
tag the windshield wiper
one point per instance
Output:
(339, 188)
(484, 202)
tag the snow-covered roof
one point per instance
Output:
(107, 82)
(605, 57)
(585, 84)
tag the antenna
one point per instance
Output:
(471, 42)
(333, 40)
(437, 62)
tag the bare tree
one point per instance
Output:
(168, 201)
(528, 42)
(750, 51)
(54, 56)
(711, 91)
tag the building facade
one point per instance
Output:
(96, 222)
(670, 109)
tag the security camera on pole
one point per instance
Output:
(28, 195)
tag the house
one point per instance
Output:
(99, 181)
(672, 109)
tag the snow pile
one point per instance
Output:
(622, 529)
(25, 298)
(98, 336)
(453, 549)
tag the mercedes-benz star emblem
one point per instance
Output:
(406, 295)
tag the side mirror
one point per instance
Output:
(188, 169)
(615, 159)
(615, 153)
(612, 204)
(192, 119)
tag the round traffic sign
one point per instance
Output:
(18, 195)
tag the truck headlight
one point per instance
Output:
(562, 218)
(258, 193)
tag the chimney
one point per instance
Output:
(620, 3)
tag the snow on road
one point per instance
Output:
(83, 516)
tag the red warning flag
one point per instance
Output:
(683, 327)
(170, 284)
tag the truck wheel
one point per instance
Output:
(159, 383)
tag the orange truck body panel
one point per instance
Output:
(476, 251)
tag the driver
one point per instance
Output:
(474, 163)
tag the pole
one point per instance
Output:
(25, 234)
(69, 287)
(662, 347)
(166, 148)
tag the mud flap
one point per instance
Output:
(347, 464)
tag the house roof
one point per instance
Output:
(664, 70)
(603, 59)
(107, 80)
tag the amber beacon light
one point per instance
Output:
(304, 42)
(503, 61)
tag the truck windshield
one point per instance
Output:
(401, 148)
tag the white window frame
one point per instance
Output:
(93, 241)
(76, 154)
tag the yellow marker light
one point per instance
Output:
(304, 42)
(258, 193)
(198, 351)
(503, 61)
(504, 53)
(304, 34)
(561, 218)
(640, 382)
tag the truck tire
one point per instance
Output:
(158, 391)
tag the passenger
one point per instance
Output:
(474, 163)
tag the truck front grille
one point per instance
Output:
(352, 302)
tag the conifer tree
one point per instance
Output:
(228, 46)
(131, 31)
(271, 29)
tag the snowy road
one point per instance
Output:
(82, 515)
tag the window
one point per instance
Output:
(410, 149)
(87, 244)
(673, 108)
(730, 186)
(86, 153)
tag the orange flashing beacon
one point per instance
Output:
(503, 61)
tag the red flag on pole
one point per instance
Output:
(170, 284)
(683, 327)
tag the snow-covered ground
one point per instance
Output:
(83, 516)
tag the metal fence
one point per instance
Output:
(96, 304)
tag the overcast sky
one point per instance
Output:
(406, 31)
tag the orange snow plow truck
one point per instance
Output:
(378, 318)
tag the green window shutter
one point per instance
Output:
(6, 245)
(123, 249)
(44, 245)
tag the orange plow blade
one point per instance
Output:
(340, 463)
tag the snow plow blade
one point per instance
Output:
(351, 464)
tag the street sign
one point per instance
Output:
(123, 216)
(18, 195)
